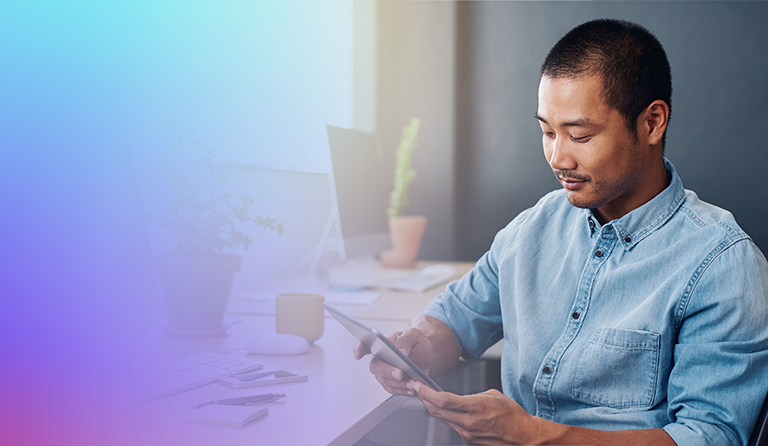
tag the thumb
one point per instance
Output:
(360, 351)
(407, 340)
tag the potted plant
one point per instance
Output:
(196, 277)
(405, 232)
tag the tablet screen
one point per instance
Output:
(381, 347)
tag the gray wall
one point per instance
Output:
(478, 112)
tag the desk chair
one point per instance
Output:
(760, 434)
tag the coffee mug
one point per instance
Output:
(301, 314)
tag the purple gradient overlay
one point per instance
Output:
(85, 91)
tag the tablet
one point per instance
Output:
(381, 347)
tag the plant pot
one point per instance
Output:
(405, 235)
(196, 288)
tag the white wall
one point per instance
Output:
(255, 83)
(257, 80)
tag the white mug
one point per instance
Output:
(301, 314)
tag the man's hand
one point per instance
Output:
(492, 418)
(415, 345)
(484, 418)
(428, 342)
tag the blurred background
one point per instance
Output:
(259, 83)
(103, 103)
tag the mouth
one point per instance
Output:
(571, 183)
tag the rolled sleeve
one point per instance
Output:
(719, 380)
(471, 306)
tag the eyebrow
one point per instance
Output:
(580, 122)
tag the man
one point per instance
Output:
(631, 311)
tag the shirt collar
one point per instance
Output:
(643, 221)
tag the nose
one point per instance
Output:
(558, 155)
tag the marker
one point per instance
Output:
(347, 289)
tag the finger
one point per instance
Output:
(360, 351)
(427, 397)
(444, 405)
(393, 337)
(407, 339)
(430, 406)
(395, 387)
(450, 417)
(443, 400)
(391, 378)
(384, 370)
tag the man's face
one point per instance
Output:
(588, 146)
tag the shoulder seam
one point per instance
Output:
(523, 216)
(734, 234)
(721, 247)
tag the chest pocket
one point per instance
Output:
(618, 369)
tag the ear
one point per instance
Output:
(653, 121)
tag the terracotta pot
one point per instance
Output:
(405, 235)
(196, 288)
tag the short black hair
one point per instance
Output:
(629, 59)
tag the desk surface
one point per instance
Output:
(396, 306)
(338, 404)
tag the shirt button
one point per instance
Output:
(599, 253)
(591, 224)
(628, 239)
(575, 315)
(547, 369)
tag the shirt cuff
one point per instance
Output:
(684, 435)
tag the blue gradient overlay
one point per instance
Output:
(86, 93)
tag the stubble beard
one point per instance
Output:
(599, 193)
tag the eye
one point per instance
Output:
(580, 138)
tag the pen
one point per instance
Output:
(250, 376)
(243, 400)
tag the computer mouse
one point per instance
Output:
(439, 269)
(277, 344)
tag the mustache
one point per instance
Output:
(564, 175)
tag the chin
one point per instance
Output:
(581, 202)
(576, 201)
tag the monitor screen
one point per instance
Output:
(362, 191)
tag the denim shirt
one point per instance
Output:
(656, 320)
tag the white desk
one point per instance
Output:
(339, 403)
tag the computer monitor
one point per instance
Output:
(362, 191)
